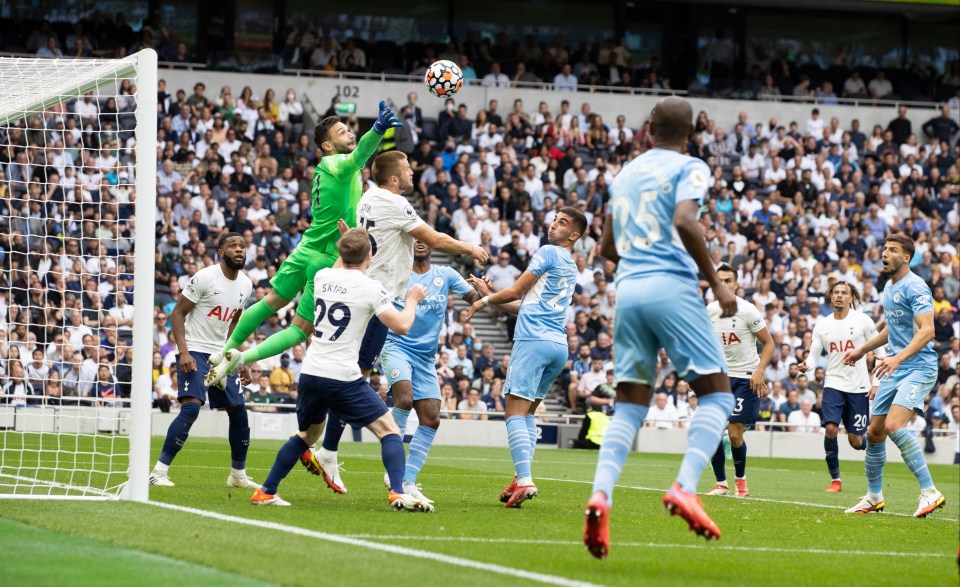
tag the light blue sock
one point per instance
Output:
(873, 463)
(616, 445)
(519, 440)
(400, 417)
(912, 456)
(532, 432)
(703, 437)
(419, 449)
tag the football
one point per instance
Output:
(443, 78)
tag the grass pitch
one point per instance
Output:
(789, 531)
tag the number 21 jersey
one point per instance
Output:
(344, 299)
(543, 309)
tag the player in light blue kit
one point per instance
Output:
(408, 361)
(539, 354)
(655, 200)
(906, 374)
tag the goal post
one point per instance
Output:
(78, 152)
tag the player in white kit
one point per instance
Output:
(739, 335)
(847, 389)
(206, 313)
(330, 380)
(392, 225)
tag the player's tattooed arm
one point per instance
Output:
(607, 247)
(485, 288)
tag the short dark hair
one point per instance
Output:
(579, 220)
(726, 268)
(321, 133)
(225, 237)
(905, 242)
(354, 246)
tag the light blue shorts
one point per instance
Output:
(534, 365)
(664, 311)
(399, 365)
(907, 388)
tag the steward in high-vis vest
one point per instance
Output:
(594, 426)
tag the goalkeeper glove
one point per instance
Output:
(386, 119)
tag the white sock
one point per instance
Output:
(874, 496)
(239, 473)
(525, 481)
(327, 455)
(161, 468)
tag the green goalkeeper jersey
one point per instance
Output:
(335, 193)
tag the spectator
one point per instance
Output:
(496, 79)
(663, 414)
(880, 87)
(565, 81)
(804, 420)
(471, 408)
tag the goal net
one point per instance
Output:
(78, 140)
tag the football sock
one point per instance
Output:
(250, 320)
(400, 417)
(333, 431)
(531, 423)
(391, 451)
(863, 443)
(289, 337)
(873, 463)
(287, 457)
(178, 432)
(831, 448)
(739, 460)
(239, 436)
(703, 437)
(717, 463)
(519, 441)
(419, 449)
(616, 445)
(912, 456)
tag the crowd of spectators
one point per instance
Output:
(503, 61)
(792, 207)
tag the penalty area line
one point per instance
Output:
(388, 548)
(701, 547)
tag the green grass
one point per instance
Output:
(764, 540)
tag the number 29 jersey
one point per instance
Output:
(344, 299)
(644, 198)
(543, 309)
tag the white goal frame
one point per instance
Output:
(43, 89)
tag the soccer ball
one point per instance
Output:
(443, 78)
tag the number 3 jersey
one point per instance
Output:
(644, 198)
(738, 337)
(837, 337)
(543, 309)
(344, 299)
(217, 300)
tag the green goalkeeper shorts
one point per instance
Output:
(296, 273)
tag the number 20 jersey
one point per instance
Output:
(543, 309)
(644, 198)
(345, 299)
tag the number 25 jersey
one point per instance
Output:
(344, 299)
(644, 198)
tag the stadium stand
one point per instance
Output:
(792, 207)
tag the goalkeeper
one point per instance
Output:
(335, 193)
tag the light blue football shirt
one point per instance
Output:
(543, 309)
(644, 197)
(423, 336)
(903, 301)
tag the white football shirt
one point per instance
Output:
(217, 300)
(389, 218)
(738, 337)
(836, 337)
(344, 299)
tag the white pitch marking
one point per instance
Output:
(390, 548)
